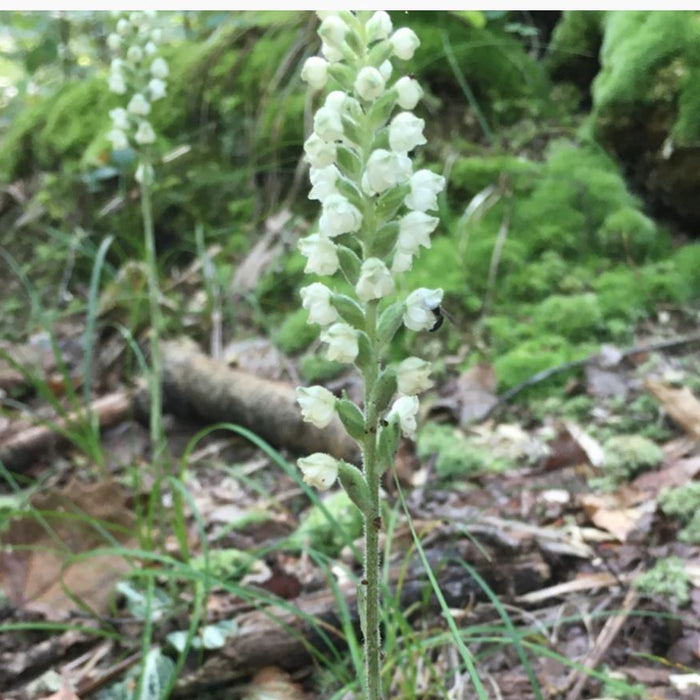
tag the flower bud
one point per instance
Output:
(144, 174)
(123, 26)
(369, 83)
(333, 31)
(385, 169)
(420, 307)
(159, 68)
(114, 41)
(404, 411)
(323, 182)
(375, 280)
(339, 216)
(425, 186)
(386, 69)
(315, 72)
(156, 87)
(317, 405)
(406, 132)
(342, 342)
(119, 117)
(319, 153)
(413, 376)
(139, 105)
(134, 54)
(116, 83)
(331, 54)
(414, 231)
(316, 299)
(402, 261)
(335, 101)
(118, 138)
(408, 92)
(328, 125)
(320, 470)
(320, 253)
(405, 43)
(156, 35)
(378, 26)
(150, 48)
(145, 134)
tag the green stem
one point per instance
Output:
(154, 380)
(372, 523)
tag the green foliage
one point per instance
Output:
(668, 579)
(684, 503)
(295, 334)
(573, 49)
(225, 564)
(316, 532)
(316, 369)
(625, 457)
(455, 454)
(627, 231)
(576, 317)
(470, 175)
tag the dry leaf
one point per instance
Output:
(38, 574)
(476, 390)
(64, 693)
(607, 513)
(271, 683)
(680, 404)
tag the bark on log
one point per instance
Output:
(195, 385)
(20, 450)
(275, 636)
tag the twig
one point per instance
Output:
(566, 366)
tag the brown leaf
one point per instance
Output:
(271, 683)
(37, 571)
(680, 404)
(607, 513)
(476, 390)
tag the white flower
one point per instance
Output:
(315, 72)
(425, 186)
(339, 216)
(405, 43)
(116, 83)
(137, 18)
(414, 231)
(320, 253)
(150, 48)
(332, 54)
(114, 41)
(375, 280)
(385, 169)
(316, 299)
(419, 314)
(139, 105)
(119, 139)
(323, 182)
(405, 410)
(378, 26)
(406, 132)
(119, 117)
(156, 87)
(386, 69)
(335, 100)
(333, 31)
(144, 134)
(409, 92)
(317, 405)
(159, 68)
(369, 83)
(342, 342)
(319, 153)
(319, 469)
(116, 65)
(413, 376)
(327, 124)
(156, 34)
(134, 54)
(123, 26)
(144, 174)
(402, 261)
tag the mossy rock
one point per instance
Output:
(646, 103)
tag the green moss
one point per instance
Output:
(471, 175)
(573, 49)
(668, 578)
(627, 231)
(317, 532)
(686, 261)
(684, 503)
(628, 455)
(317, 369)
(455, 454)
(225, 564)
(577, 317)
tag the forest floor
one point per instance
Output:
(538, 559)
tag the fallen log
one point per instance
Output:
(197, 386)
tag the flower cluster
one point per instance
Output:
(136, 73)
(374, 218)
